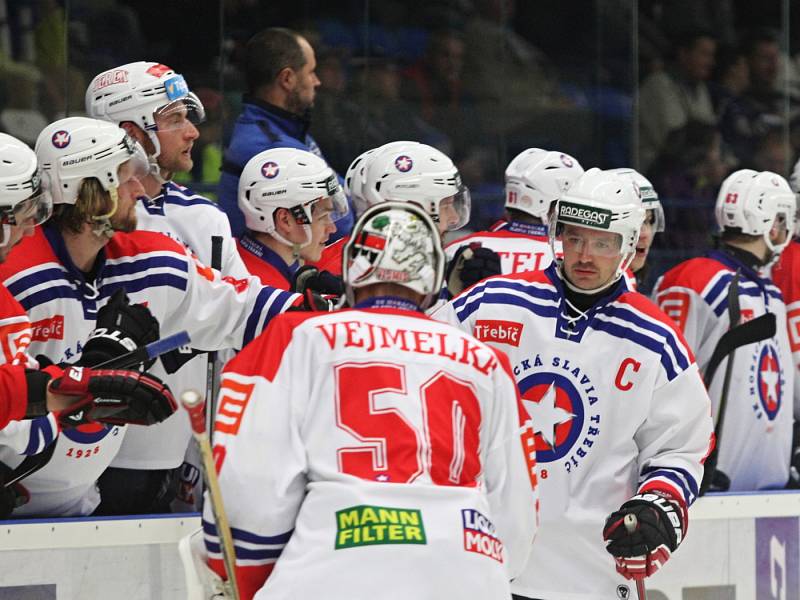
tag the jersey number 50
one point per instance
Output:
(392, 449)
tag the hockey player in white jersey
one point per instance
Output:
(621, 415)
(156, 108)
(535, 180)
(755, 212)
(373, 452)
(68, 270)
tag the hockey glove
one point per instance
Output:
(660, 525)
(471, 264)
(113, 396)
(120, 328)
(11, 496)
(322, 282)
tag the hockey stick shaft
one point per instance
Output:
(148, 352)
(211, 366)
(631, 522)
(193, 403)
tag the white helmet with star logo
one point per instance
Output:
(537, 178)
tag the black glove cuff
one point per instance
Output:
(37, 393)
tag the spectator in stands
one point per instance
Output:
(280, 69)
(671, 98)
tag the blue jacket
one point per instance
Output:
(262, 126)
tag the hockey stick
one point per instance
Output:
(758, 329)
(193, 403)
(211, 365)
(33, 463)
(631, 522)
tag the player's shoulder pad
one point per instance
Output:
(263, 356)
(695, 274)
(181, 195)
(142, 242)
(517, 289)
(31, 251)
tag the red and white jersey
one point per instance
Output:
(331, 259)
(181, 293)
(373, 450)
(756, 444)
(786, 275)
(192, 220)
(15, 337)
(265, 263)
(521, 246)
(618, 407)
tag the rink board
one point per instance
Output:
(738, 547)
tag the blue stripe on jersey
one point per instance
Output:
(746, 288)
(491, 293)
(721, 285)
(243, 535)
(38, 277)
(679, 477)
(275, 300)
(187, 201)
(41, 435)
(116, 269)
(246, 553)
(46, 295)
(638, 338)
(147, 281)
(661, 330)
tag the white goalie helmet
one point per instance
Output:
(751, 201)
(21, 197)
(287, 178)
(414, 172)
(537, 178)
(136, 91)
(394, 242)
(72, 149)
(603, 201)
(650, 199)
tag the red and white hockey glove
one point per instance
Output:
(660, 525)
(113, 396)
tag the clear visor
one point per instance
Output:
(453, 211)
(136, 166)
(339, 206)
(31, 211)
(180, 113)
(592, 242)
(654, 217)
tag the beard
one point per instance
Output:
(296, 105)
(125, 221)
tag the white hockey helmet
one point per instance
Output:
(394, 242)
(355, 178)
(21, 196)
(136, 92)
(414, 172)
(650, 199)
(537, 178)
(603, 201)
(287, 178)
(751, 201)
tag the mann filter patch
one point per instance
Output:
(377, 525)
(585, 216)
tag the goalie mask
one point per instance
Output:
(753, 202)
(73, 149)
(537, 178)
(287, 178)
(137, 92)
(606, 202)
(398, 243)
(418, 173)
(22, 201)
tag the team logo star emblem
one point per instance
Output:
(61, 139)
(270, 170)
(546, 416)
(403, 163)
(770, 377)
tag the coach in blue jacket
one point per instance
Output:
(281, 80)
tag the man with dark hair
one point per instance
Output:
(281, 85)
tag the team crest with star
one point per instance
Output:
(766, 381)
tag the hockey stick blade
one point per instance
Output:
(756, 330)
(148, 352)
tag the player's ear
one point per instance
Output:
(283, 221)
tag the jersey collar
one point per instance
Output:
(735, 263)
(388, 302)
(529, 229)
(269, 256)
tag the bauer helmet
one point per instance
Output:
(537, 178)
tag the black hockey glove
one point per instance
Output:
(321, 290)
(644, 532)
(794, 470)
(120, 328)
(10, 497)
(471, 264)
(113, 396)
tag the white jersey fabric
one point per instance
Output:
(373, 454)
(521, 246)
(180, 292)
(755, 448)
(618, 406)
(191, 220)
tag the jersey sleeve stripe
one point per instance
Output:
(30, 302)
(245, 536)
(506, 291)
(274, 301)
(42, 433)
(30, 279)
(678, 478)
(149, 281)
(128, 266)
(638, 338)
